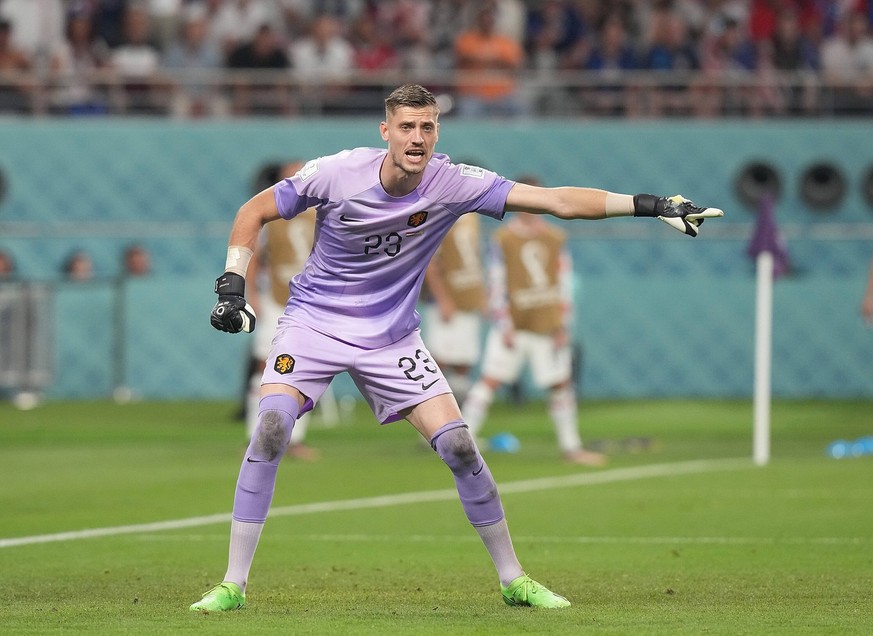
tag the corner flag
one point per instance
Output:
(771, 261)
(767, 238)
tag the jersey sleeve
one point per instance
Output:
(311, 186)
(467, 188)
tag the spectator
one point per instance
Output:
(669, 51)
(136, 62)
(612, 57)
(7, 266)
(726, 52)
(108, 19)
(74, 63)
(422, 33)
(764, 18)
(166, 17)
(194, 53)
(15, 90)
(238, 22)
(36, 25)
(259, 97)
(487, 62)
(437, 35)
(510, 19)
(78, 267)
(557, 22)
(555, 41)
(373, 49)
(847, 63)
(790, 50)
(374, 54)
(136, 261)
(324, 60)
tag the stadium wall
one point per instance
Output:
(658, 314)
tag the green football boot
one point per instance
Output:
(224, 597)
(525, 592)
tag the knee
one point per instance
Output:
(457, 448)
(272, 434)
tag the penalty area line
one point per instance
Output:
(510, 487)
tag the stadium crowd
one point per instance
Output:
(195, 58)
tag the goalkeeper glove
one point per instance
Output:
(232, 313)
(676, 211)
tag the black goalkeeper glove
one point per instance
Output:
(676, 211)
(232, 313)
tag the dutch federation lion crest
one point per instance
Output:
(284, 364)
(417, 219)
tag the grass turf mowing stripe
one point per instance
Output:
(527, 485)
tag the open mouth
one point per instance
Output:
(415, 154)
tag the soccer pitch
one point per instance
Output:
(115, 519)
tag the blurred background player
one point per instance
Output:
(867, 300)
(7, 266)
(456, 300)
(280, 256)
(136, 261)
(531, 305)
(78, 267)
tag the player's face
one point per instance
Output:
(411, 134)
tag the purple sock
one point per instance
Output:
(476, 487)
(257, 475)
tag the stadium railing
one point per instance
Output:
(546, 93)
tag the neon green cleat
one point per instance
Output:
(224, 597)
(526, 592)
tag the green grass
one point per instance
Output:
(783, 549)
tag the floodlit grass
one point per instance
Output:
(784, 549)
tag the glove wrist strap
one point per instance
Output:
(230, 284)
(648, 205)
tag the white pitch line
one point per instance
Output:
(527, 485)
(539, 539)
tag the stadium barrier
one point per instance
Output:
(544, 93)
(658, 314)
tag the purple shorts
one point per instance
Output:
(391, 379)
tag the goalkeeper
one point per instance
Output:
(381, 215)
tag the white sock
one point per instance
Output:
(499, 545)
(564, 413)
(476, 406)
(244, 538)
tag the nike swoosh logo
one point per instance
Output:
(255, 461)
(346, 219)
(425, 387)
(479, 470)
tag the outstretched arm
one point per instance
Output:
(564, 203)
(591, 203)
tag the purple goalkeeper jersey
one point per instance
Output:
(362, 280)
